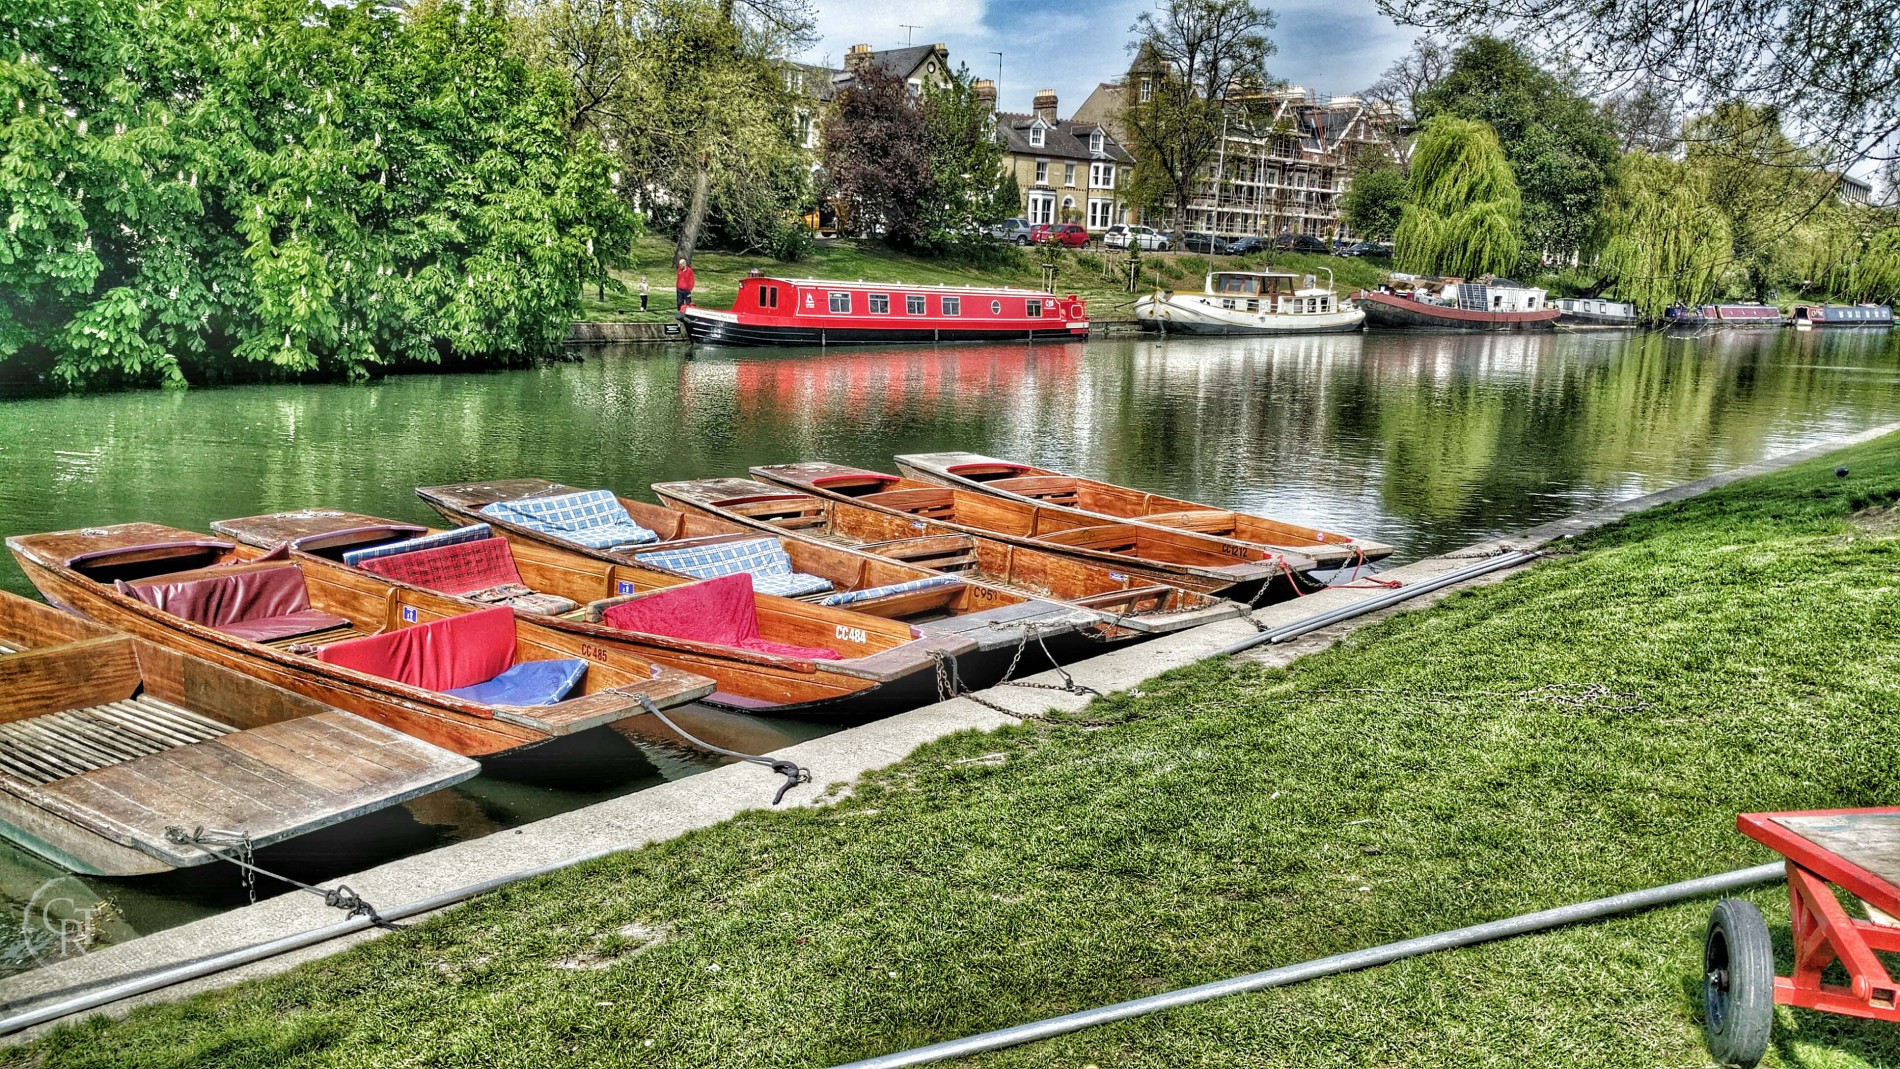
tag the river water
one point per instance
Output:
(1427, 442)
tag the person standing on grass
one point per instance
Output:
(685, 284)
(643, 293)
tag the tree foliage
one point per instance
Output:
(198, 186)
(1463, 213)
(1560, 146)
(1667, 244)
(1200, 66)
(1374, 203)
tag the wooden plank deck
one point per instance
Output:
(1869, 840)
(53, 746)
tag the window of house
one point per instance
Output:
(1096, 140)
(880, 304)
(1068, 174)
(996, 308)
(841, 302)
(1034, 308)
(1042, 172)
(953, 306)
(1147, 89)
(914, 304)
(1036, 135)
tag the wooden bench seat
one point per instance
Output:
(52, 746)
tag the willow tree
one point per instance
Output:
(1463, 215)
(1874, 273)
(1667, 243)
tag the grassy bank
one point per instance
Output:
(718, 274)
(1590, 727)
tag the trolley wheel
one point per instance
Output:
(1738, 984)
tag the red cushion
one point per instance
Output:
(459, 651)
(219, 596)
(462, 568)
(717, 611)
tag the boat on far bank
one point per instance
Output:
(1495, 305)
(1725, 315)
(1582, 313)
(1250, 302)
(820, 312)
(1809, 316)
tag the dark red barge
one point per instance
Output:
(811, 311)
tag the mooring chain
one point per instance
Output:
(794, 774)
(950, 680)
(242, 854)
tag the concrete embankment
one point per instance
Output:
(702, 800)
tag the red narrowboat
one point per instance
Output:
(812, 311)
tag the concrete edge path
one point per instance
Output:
(672, 809)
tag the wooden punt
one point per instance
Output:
(107, 740)
(885, 666)
(78, 570)
(1041, 486)
(1132, 606)
(1181, 558)
(990, 616)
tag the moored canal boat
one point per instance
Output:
(1809, 316)
(1250, 302)
(1581, 313)
(1200, 562)
(1042, 486)
(1725, 315)
(474, 680)
(767, 654)
(820, 312)
(1128, 605)
(108, 741)
(1495, 305)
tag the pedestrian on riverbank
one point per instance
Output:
(684, 283)
(643, 293)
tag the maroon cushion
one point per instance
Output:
(459, 651)
(461, 568)
(219, 596)
(718, 611)
(289, 625)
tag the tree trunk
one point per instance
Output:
(695, 213)
(1182, 191)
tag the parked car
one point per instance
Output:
(1300, 243)
(1145, 238)
(1194, 241)
(1069, 234)
(1013, 230)
(1246, 245)
(1366, 248)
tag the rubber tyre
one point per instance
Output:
(1738, 984)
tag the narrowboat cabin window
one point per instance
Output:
(1034, 308)
(953, 306)
(914, 304)
(841, 303)
(996, 308)
(768, 296)
(880, 304)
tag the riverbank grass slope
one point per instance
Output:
(1589, 727)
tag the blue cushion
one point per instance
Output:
(472, 533)
(591, 518)
(764, 559)
(852, 597)
(528, 683)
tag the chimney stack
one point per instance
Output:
(985, 93)
(857, 58)
(1045, 106)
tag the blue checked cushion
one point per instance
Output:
(852, 597)
(472, 533)
(591, 518)
(762, 558)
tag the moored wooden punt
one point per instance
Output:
(989, 616)
(80, 570)
(884, 666)
(1042, 486)
(1133, 606)
(1199, 562)
(107, 740)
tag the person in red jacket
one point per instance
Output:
(685, 284)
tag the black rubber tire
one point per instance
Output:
(1738, 984)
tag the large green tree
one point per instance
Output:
(202, 186)
(1561, 147)
(1667, 243)
(1374, 202)
(1462, 216)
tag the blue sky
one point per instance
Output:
(1330, 46)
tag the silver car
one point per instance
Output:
(1145, 238)
(1013, 230)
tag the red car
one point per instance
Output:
(1058, 234)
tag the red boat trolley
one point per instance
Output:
(1856, 850)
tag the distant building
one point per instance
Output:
(817, 85)
(1068, 170)
(1287, 175)
(1855, 191)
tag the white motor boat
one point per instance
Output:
(1251, 302)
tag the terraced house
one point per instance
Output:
(1068, 170)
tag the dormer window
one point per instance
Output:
(1036, 135)
(1147, 89)
(1095, 141)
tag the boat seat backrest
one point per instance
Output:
(720, 612)
(457, 651)
(456, 568)
(764, 559)
(891, 590)
(591, 518)
(230, 594)
(474, 532)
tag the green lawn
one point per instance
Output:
(718, 274)
(1589, 727)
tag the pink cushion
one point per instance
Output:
(462, 568)
(218, 596)
(719, 611)
(459, 651)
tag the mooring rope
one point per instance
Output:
(243, 855)
(793, 773)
